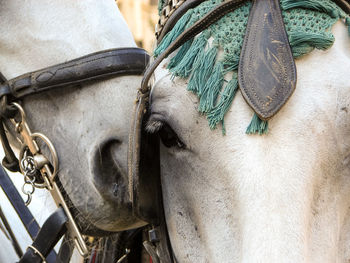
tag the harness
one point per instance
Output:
(266, 96)
(40, 170)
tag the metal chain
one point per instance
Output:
(30, 170)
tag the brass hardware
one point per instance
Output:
(32, 160)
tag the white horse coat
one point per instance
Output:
(280, 197)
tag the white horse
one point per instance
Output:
(89, 125)
(279, 197)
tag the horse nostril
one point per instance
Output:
(109, 177)
(108, 151)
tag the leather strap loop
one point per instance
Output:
(10, 160)
(7, 111)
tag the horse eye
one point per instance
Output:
(169, 138)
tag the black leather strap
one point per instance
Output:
(10, 160)
(51, 232)
(96, 66)
(343, 4)
(29, 222)
(16, 200)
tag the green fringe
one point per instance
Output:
(301, 50)
(210, 92)
(180, 54)
(311, 39)
(327, 7)
(202, 69)
(257, 126)
(174, 33)
(217, 114)
(184, 67)
(230, 65)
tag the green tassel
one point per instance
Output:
(230, 65)
(322, 6)
(184, 67)
(318, 41)
(217, 114)
(257, 126)
(210, 91)
(180, 54)
(301, 50)
(174, 33)
(202, 69)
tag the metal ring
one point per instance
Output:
(52, 149)
(27, 191)
(20, 109)
(29, 199)
(30, 169)
(29, 180)
(21, 157)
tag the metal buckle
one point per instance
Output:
(42, 163)
(36, 251)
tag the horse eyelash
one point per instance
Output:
(154, 126)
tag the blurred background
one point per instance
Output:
(141, 16)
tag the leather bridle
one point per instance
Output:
(39, 170)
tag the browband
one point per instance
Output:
(96, 66)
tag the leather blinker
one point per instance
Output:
(267, 73)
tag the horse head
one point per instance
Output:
(240, 196)
(87, 123)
